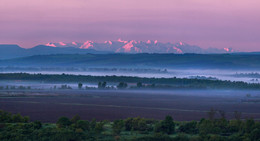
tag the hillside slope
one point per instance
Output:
(213, 61)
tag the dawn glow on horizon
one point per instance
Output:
(218, 23)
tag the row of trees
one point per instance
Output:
(6, 117)
(162, 82)
(103, 85)
(80, 125)
(16, 127)
(15, 87)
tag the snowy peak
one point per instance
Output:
(229, 50)
(122, 41)
(149, 46)
(50, 44)
(87, 45)
(62, 44)
(108, 42)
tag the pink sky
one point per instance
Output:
(207, 23)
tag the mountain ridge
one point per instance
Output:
(9, 51)
(133, 46)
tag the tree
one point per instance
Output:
(181, 137)
(99, 127)
(255, 135)
(189, 127)
(93, 123)
(166, 126)
(104, 85)
(142, 126)
(80, 85)
(249, 125)
(37, 125)
(17, 118)
(216, 138)
(75, 119)
(118, 126)
(63, 122)
(99, 85)
(129, 124)
(139, 85)
(122, 85)
(83, 124)
(26, 119)
(205, 127)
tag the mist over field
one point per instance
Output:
(211, 74)
(200, 66)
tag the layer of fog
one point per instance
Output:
(42, 85)
(179, 73)
(192, 92)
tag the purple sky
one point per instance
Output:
(207, 23)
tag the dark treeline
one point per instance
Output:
(252, 75)
(137, 70)
(16, 127)
(161, 82)
(15, 87)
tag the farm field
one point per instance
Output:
(182, 105)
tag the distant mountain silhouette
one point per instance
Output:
(14, 51)
(119, 46)
(141, 60)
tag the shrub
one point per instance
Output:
(63, 122)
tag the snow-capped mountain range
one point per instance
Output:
(132, 46)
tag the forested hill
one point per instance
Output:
(216, 61)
